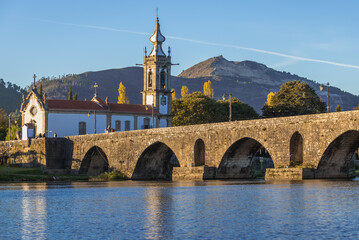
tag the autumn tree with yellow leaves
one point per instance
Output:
(184, 91)
(173, 93)
(208, 90)
(122, 97)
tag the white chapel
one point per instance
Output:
(41, 116)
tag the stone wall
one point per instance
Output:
(328, 141)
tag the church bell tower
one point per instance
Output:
(157, 78)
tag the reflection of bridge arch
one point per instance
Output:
(94, 162)
(236, 161)
(156, 162)
(336, 159)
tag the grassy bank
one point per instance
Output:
(20, 174)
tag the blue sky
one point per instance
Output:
(313, 39)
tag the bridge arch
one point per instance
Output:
(155, 162)
(296, 150)
(94, 162)
(199, 153)
(237, 160)
(336, 159)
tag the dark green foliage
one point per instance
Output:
(75, 96)
(111, 176)
(10, 96)
(70, 94)
(3, 124)
(196, 108)
(40, 91)
(293, 98)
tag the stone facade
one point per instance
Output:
(328, 142)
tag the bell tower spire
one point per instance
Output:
(157, 39)
(157, 76)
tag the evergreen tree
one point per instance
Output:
(75, 96)
(122, 97)
(207, 89)
(184, 91)
(70, 94)
(338, 108)
(40, 91)
(3, 124)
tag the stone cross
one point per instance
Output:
(34, 80)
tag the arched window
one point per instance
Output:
(199, 153)
(163, 78)
(150, 77)
(296, 150)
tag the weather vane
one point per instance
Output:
(157, 12)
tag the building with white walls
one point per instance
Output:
(75, 117)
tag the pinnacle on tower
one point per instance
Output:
(157, 39)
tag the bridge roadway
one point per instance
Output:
(308, 146)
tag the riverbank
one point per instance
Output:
(20, 174)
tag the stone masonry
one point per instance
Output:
(328, 143)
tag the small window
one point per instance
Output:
(82, 128)
(146, 123)
(127, 125)
(150, 79)
(163, 78)
(118, 125)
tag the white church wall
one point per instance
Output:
(163, 108)
(67, 124)
(163, 123)
(38, 118)
(123, 119)
(141, 121)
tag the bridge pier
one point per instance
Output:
(289, 173)
(193, 173)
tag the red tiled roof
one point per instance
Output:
(130, 108)
(91, 105)
(73, 105)
(99, 101)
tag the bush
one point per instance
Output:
(111, 176)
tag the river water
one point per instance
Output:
(311, 209)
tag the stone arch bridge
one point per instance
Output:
(308, 146)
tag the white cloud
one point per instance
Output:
(214, 44)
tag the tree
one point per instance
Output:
(70, 94)
(75, 96)
(269, 98)
(40, 91)
(207, 89)
(173, 94)
(3, 124)
(338, 108)
(293, 98)
(184, 91)
(197, 108)
(122, 97)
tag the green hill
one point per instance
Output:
(10, 96)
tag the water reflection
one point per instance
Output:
(184, 210)
(34, 212)
(159, 216)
